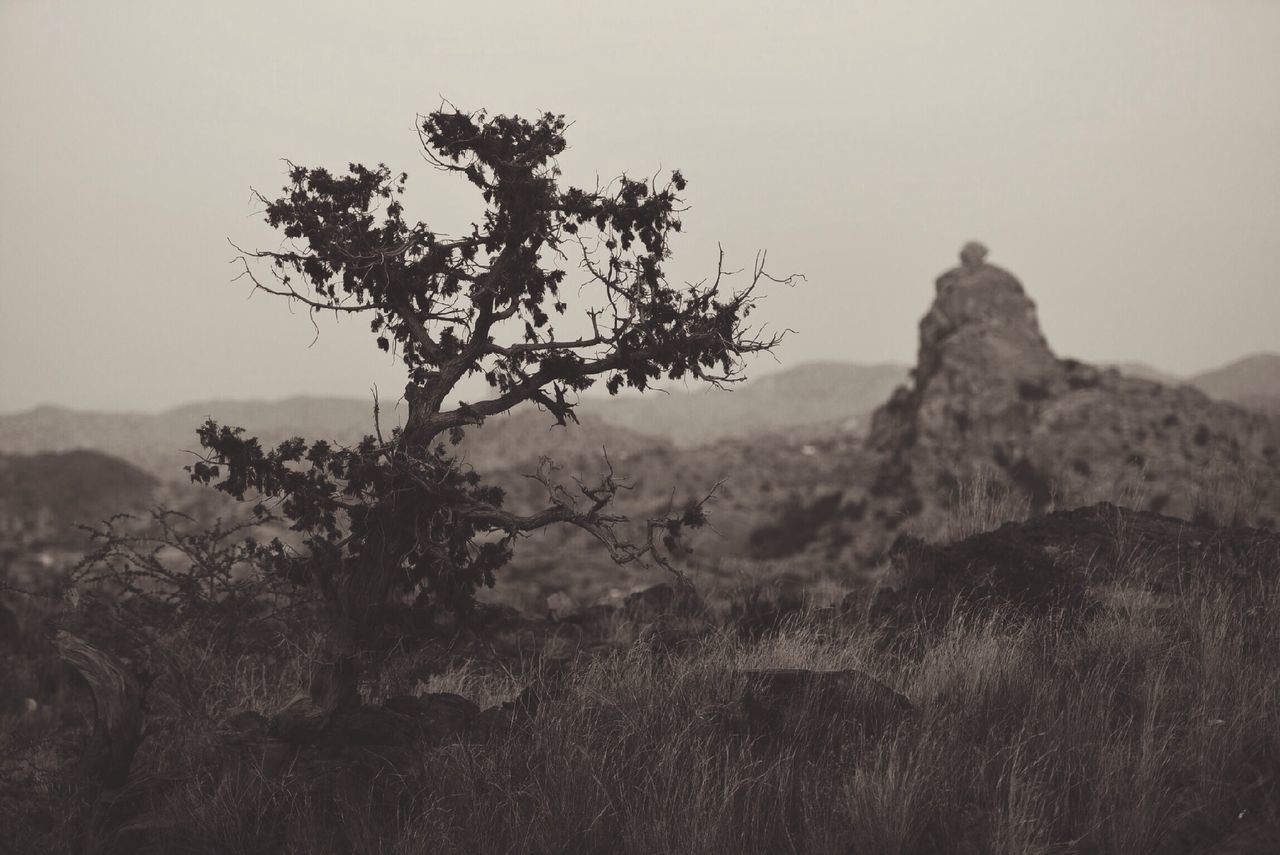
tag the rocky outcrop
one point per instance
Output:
(981, 350)
(666, 614)
(990, 402)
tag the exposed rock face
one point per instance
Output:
(980, 344)
(990, 400)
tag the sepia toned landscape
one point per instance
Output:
(637, 537)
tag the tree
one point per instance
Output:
(397, 514)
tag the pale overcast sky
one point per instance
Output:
(1121, 157)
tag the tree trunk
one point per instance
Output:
(117, 699)
(108, 753)
(357, 598)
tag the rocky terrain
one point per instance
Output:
(1250, 381)
(810, 475)
(990, 410)
(990, 404)
(1060, 576)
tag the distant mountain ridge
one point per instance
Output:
(1143, 371)
(785, 447)
(833, 394)
(839, 395)
(158, 443)
(831, 397)
(162, 444)
(1252, 381)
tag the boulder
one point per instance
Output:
(592, 622)
(258, 757)
(502, 719)
(106, 760)
(551, 684)
(373, 724)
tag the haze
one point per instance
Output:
(1123, 159)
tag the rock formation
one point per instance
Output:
(981, 350)
(990, 402)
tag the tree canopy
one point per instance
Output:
(397, 513)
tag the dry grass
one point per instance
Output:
(980, 504)
(1147, 730)
(1150, 727)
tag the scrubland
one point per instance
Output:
(1144, 724)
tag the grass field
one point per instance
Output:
(1147, 727)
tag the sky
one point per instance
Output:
(1122, 158)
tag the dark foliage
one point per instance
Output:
(145, 580)
(798, 525)
(398, 515)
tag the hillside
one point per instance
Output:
(44, 496)
(1253, 381)
(158, 443)
(1045, 656)
(990, 404)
